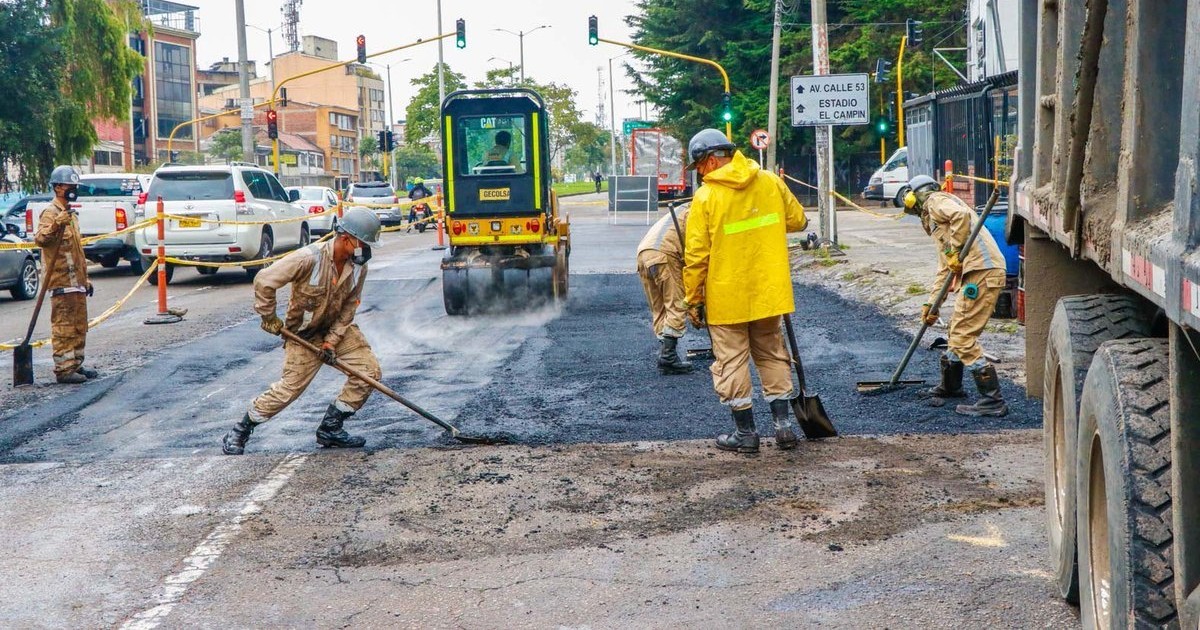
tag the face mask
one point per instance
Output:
(72, 193)
(362, 254)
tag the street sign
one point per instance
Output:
(247, 107)
(629, 124)
(830, 99)
(760, 139)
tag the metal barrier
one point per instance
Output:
(630, 193)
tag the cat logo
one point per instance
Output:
(473, 228)
(494, 194)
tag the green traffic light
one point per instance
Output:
(727, 116)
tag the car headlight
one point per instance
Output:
(876, 180)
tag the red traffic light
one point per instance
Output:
(362, 48)
(272, 124)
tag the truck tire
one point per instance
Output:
(1080, 324)
(266, 249)
(1124, 487)
(137, 265)
(170, 274)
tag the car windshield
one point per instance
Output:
(311, 194)
(900, 158)
(190, 185)
(110, 187)
(371, 191)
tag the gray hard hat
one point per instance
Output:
(64, 174)
(920, 182)
(704, 143)
(362, 224)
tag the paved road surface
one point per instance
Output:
(116, 506)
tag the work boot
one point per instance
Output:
(331, 433)
(990, 402)
(73, 378)
(745, 439)
(669, 361)
(235, 441)
(88, 373)
(951, 385)
(785, 424)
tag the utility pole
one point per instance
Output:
(612, 119)
(244, 81)
(441, 63)
(773, 103)
(825, 183)
(388, 128)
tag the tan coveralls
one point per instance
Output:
(321, 310)
(949, 221)
(660, 266)
(66, 282)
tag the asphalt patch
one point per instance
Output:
(594, 377)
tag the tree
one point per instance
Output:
(226, 144)
(368, 149)
(63, 64)
(416, 160)
(424, 111)
(590, 151)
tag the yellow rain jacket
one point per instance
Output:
(736, 258)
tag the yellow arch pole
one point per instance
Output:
(176, 128)
(710, 62)
(340, 64)
(900, 93)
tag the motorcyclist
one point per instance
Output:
(417, 193)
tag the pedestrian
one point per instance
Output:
(660, 266)
(66, 278)
(598, 178)
(737, 271)
(327, 282)
(979, 279)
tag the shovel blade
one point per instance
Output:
(872, 388)
(812, 418)
(700, 354)
(23, 365)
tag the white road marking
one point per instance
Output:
(205, 555)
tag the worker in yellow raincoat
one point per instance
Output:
(737, 269)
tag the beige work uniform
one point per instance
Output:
(660, 266)
(949, 221)
(321, 310)
(66, 281)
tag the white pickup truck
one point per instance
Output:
(106, 204)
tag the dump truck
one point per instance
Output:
(654, 153)
(508, 245)
(1107, 206)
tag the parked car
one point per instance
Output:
(236, 192)
(315, 200)
(376, 193)
(24, 213)
(106, 204)
(888, 179)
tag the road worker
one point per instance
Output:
(978, 278)
(66, 278)
(737, 270)
(660, 265)
(327, 282)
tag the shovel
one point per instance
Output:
(23, 353)
(873, 388)
(695, 354)
(387, 391)
(809, 412)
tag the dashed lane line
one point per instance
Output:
(206, 554)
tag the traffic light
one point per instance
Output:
(460, 30)
(391, 140)
(272, 124)
(362, 48)
(912, 28)
(726, 107)
(593, 31)
(381, 141)
(283, 97)
(882, 68)
(882, 126)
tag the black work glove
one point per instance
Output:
(328, 356)
(90, 290)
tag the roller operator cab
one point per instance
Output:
(508, 244)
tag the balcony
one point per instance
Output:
(173, 15)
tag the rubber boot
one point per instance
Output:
(88, 373)
(785, 425)
(331, 433)
(74, 378)
(669, 361)
(990, 402)
(951, 385)
(235, 441)
(745, 439)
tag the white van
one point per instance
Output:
(888, 179)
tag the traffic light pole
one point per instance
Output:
(667, 53)
(340, 64)
(900, 93)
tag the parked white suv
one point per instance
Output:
(236, 192)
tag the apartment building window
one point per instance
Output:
(173, 88)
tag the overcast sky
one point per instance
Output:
(559, 53)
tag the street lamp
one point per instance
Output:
(511, 79)
(521, 36)
(391, 114)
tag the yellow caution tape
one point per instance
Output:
(404, 226)
(307, 217)
(878, 215)
(994, 182)
(83, 241)
(246, 263)
(99, 319)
